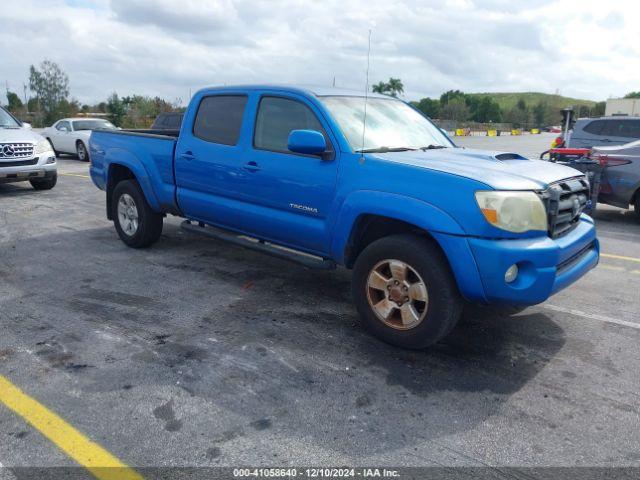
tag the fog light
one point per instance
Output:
(51, 160)
(511, 273)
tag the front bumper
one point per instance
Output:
(545, 265)
(45, 166)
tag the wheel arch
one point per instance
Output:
(119, 171)
(361, 223)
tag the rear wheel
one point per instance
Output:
(137, 224)
(81, 151)
(405, 292)
(636, 206)
(44, 183)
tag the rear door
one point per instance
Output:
(208, 160)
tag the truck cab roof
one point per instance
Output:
(310, 90)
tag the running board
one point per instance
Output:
(310, 261)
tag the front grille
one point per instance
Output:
(16, 150)
(18, 163)
(565, 201)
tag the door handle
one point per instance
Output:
(188, 155)
(251, 166)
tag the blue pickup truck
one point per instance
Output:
(328, 177)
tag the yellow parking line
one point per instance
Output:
(90, 455)
(73, 175)
(620, 257)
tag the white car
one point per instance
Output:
(25, 156)
(71, 135)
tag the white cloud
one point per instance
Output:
(584, 48)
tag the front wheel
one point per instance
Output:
(636, 207)
(137, 224)
(82, 152)
(44, 183)
(405, 292)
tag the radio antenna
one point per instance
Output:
(366, 95)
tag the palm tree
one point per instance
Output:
(380, 87)
(395, 87)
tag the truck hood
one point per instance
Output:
(19, 135)
(499, 170)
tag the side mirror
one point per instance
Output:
(308, 142)
(26, 125)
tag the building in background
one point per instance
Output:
(623, 106)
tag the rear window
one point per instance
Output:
(219, 119)
(594, 127)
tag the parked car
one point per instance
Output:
(25, 155)
(620, 184)
(168, 121)
(71, 135)
(590, 132)
(424, 225)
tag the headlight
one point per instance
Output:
(42, 147)
(513, 211)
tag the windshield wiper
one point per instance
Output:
(386, 149)
(432, 147)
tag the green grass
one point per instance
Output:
(508, 100)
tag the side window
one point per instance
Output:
(594, 127)
(612, 128)
(219, 118)
(277, 117)
(630, 129)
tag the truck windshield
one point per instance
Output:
(6, 120)
(392, 125)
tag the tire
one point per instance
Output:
(426, 265)
(55, 152)
(129, 203)
(44, 183)
(636, 207)
(81, 151)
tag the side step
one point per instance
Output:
(310, 261)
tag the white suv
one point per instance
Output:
(25, 155)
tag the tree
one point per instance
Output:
(486, 110)
(446, 97)
(598, 109)
(540, 114)
(393, 87)
(429, 106)
(51, 86)
(456, 110)
(116, 109)
(14, 104)
(632, 95)
(380, 87)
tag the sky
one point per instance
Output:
(581, 48)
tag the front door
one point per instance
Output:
(291, 194)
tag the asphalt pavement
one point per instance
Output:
(198, 353)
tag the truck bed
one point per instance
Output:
(146, 153)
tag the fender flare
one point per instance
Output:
(118, 156)
(399, 207)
